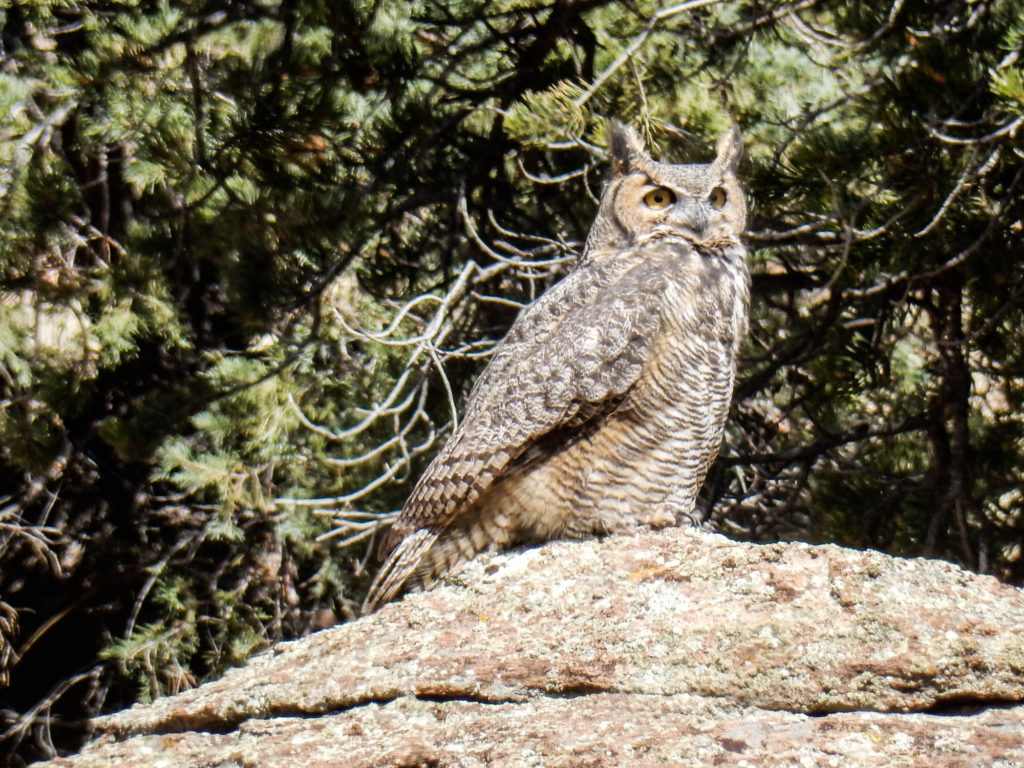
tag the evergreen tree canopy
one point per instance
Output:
(253, 253)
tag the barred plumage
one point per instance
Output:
(605, 404)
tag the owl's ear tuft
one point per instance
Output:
(626, 148)
(729, 150)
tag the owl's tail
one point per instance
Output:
(402, 563)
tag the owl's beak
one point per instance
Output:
(689, 214)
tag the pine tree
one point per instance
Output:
(253, 254)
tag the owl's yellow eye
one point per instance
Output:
(659, 198)
(717, 198)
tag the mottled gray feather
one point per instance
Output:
(605, 404)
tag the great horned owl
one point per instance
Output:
(604, 406)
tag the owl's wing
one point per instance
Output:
(569, 358)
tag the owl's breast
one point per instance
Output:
(706, 297)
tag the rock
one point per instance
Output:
(672, 647)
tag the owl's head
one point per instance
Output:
(645, 199)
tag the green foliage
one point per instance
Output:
(551, 116)
(253, 254)
(156, 658)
